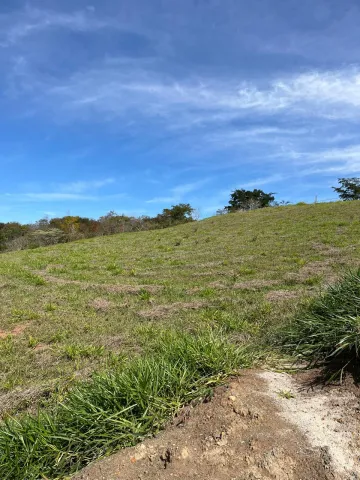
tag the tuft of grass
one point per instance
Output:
(144, 295)
(286, 394)
(117, 408)
(50, 307)
(32, 342)
(328, 328)
(24, 315)
(72, 352)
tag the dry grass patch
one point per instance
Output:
(217, 285)
(132, 289)
(255, 284)
(163, 310)
(282, 295)
(101, 304)
(20, 400)
(54, 266)
(117, 288)
(326, 249)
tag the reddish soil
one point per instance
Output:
(241, 434)
(18, 330)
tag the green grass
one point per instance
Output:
(227, 267)
(149, 310)
(328, 329)
(117, 408)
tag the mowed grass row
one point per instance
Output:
(71, 309)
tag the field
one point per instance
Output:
(74, 308)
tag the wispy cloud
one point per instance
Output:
(31, 20)
(161, 200)
(319, 94)
(177, 193)
(48, 197)
(260, 182)
(74, 191)
(84, 186)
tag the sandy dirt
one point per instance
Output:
(261, 426)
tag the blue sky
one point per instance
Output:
(136, 105)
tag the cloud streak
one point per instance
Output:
(27, 22)
(180, 191)
(82, 186)
(329, 94)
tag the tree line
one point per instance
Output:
(15, 236)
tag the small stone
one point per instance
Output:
(232, 398)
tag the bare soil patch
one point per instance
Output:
(18, 330)
(243, 433)
(328, 417)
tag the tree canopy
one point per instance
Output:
(349, 188)
(179, 213)
(249, 199)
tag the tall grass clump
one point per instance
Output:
(328, 329)
(116, 409)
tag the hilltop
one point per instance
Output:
(70, 309)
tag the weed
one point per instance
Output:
(7, 345)
(73, 352)
(286, 394)
(207, 292)
(50, 307)
(314, 280)
(60, 336)
(24, 315)
(114, 269)
(32, 342)
(144, 295)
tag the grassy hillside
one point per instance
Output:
(70, 309)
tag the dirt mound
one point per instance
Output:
(243, 433)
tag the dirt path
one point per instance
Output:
(249, 431)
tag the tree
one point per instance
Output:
(349, 189)
(179, 213)
(249, 200)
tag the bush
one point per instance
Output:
(328, 329)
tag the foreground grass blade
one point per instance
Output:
(116, 409)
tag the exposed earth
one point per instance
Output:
(262, 425)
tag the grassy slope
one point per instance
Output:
(220, 271)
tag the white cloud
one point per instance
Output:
(125, 92)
